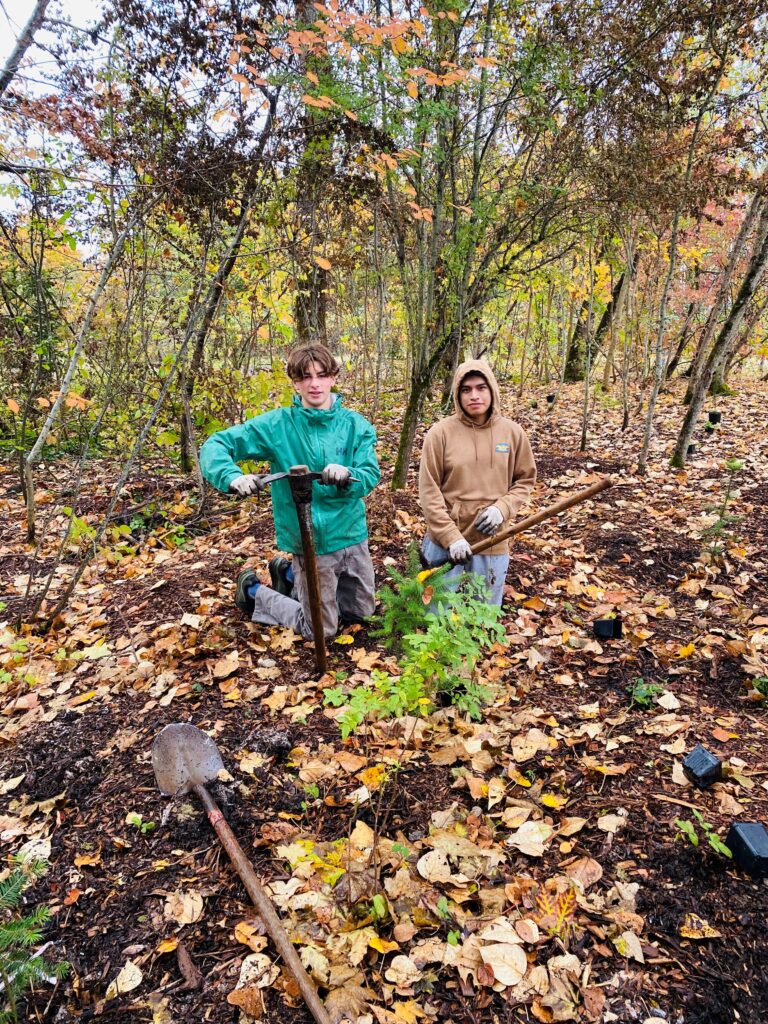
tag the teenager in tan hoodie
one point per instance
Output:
(477, 469)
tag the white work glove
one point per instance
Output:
(489, 520)
(336, 474)
(460, 551)
(248, 483)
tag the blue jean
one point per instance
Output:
(493, 568)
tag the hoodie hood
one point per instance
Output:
(481, 367)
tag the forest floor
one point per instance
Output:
(527, 866)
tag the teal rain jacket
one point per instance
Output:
(295, 436)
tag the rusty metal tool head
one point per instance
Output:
(184, 759)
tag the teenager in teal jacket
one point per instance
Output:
(319, 432)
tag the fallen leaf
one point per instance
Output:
(227, 665)
(508, 962)
(531, 837)
(184, 907)
(248, 933)
(611, 822)
(402, 972)
(627, 944)
(695, 927)
(129, 978)
(722, 736)
(434, 866)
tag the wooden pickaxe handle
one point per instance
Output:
(537, 517)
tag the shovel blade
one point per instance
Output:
(184, 757)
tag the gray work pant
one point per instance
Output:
(492, 567)
(347, 591)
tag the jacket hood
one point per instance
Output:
(483, 368)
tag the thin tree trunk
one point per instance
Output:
(36, 450)
(24, 42)
(660, 354)
(723, 290)
(724, 341)
(213, 288)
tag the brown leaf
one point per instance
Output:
(193, 979)
(347, 1003)
(249, 1000)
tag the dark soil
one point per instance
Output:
(92, 760)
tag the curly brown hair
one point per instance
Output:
(300, 358)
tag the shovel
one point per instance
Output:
(184, 759)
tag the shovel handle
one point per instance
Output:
(537, 517)
(264, 905)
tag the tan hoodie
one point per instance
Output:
(465, 467)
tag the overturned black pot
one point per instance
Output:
(715, 416)
(748, 842)
(702, 768)
(608, 629)
(691, 449)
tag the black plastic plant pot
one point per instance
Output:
(691, 449)
(709, 428)
(608, 629)
(702, 767)
(748, 842)
(715, 416)
(551, 398)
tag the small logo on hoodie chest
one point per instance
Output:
(503, 446)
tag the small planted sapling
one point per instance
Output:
(690, 830)
(642, 694)
(20, 966)
(721, 530)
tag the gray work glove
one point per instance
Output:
(460, 551)
(336, 474)
(489, 520)
(248, 483)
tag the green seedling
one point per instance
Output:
(137, 821)
(642, 694)
(437, 660)
(379, 907)
(688, 830)
(442, 908)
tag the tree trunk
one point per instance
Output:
(723, 289)
(725, 340)
(24, 42)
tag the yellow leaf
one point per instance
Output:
(322, 262)
(534, 603)
(88, 860)
(695, 927)
(412, 89)
(687, 651)
(13, 406)
(519, 779)
(247, 933)
(424, 575)
(399, 45)
(82, 698)
(382, 945)
(372, 777)
(168, 945)
(344, 639)
(553, 800)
